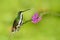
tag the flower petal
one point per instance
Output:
(36, 18)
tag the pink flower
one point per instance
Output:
(36, 18)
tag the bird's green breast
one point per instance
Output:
(18, 18)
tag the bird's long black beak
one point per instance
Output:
(23, 11)
(26, 10)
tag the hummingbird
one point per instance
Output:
(18, 21)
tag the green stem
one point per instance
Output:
(50, 13)
(26, 21)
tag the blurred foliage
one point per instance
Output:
(47, 29)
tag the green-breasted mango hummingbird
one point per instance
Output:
(18, 21)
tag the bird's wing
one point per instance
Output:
(15, 23)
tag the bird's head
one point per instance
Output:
(20, 12)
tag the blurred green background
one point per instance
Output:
(47, 29)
